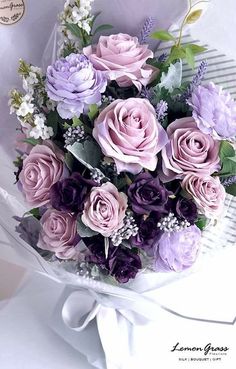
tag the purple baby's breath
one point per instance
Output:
(146, 30)
(226, 182)
(197, 79)
(161, 110)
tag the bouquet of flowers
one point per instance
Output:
(122, 164)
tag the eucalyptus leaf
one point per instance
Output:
(194, 16)
(201, 223)
(162, 35)
(84, 231)
(69, 159)
(88, 153)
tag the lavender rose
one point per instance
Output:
(214, 110)
(178, 250)
(189, 150)
(59, 234)
(41, 169)
(128, 132)
(74, 84)
(147, 194)
(124, 60)
(207, 192)
(104, 210)
(70, 193)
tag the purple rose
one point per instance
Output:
(186, 209)
(189, 150)
(74, 84)
(207, 192)
(104, 210)
(59, 234)
(124, 264)
(147, 194)
(148, 234)
(214, 110)
(42, 168)
(178, 250)
(121, 263)
(128, 132)
(71, 193)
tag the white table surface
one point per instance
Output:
(26, 342)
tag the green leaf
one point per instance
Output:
(93, 112)
(190, 57)
(35, 213)
(194, 16)
(52, 121)
(94, 18)
(102, 28)
(196, 49)
(162, 35)
(32, 141)
(175, 54)
(77, 122)
(74, 29)
(69, 160)
(88, 153)
(231, 189)
(84, 231)
(201, 223)
(226, 150)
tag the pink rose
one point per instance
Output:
(128, 132)
(189, 150)
(104, 210)
(124, 60)
(207, 192)
(42, 168)
(59, 234)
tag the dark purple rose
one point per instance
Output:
(124, 264)
(186, 209)
(70, 193)
(148, 234)
(121, 263)
(147, 194)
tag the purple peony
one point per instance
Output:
(70, 193)
(147, 194)
(121, 263)
(186, 209)
(148, 234)
(178, 250)
(214, 110)
(74, 84)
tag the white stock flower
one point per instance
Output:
(25, 108)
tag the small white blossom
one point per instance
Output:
(25, 108)
(39, 120)
(173, 78)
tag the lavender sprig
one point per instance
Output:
(147, 93)
(161, 110)
(146, 30)
(226, 182)
(197, 79)
(162, 58)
